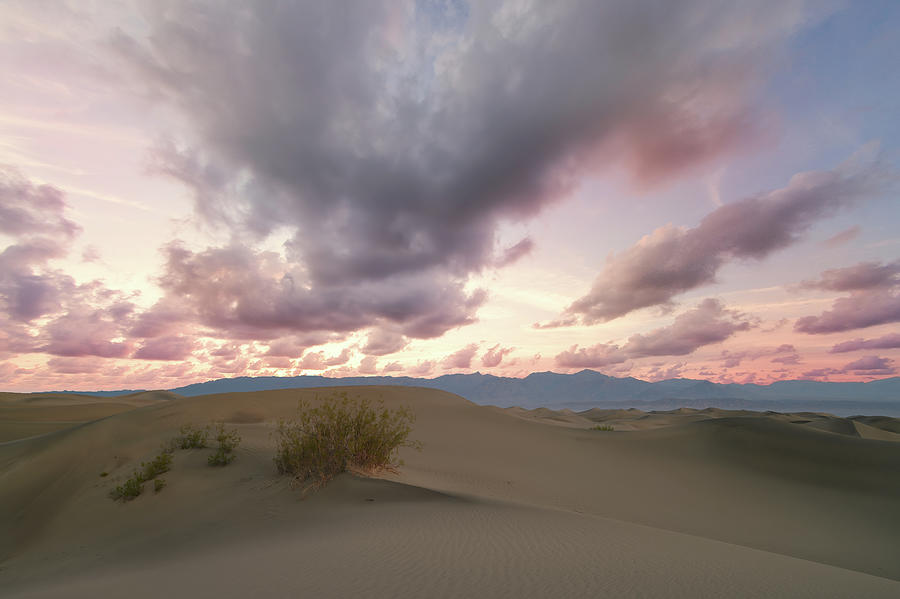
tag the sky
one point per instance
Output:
(192, 190)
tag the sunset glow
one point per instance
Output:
(197, 190)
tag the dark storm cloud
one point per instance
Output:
(391, 154)
(706, 324)
(673, 260)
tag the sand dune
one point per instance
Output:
(497, 504)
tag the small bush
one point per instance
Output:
(133, 487)
(339, 433)
(104, 474)
(159, 484)
(130, 489)
(193, 438)
(228, 442)
(603, 427)
(159, 464)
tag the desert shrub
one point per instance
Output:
(340, 433)
(130, 489)
(104, 474)
(192, 437)
(227, 443)
(133, 487)
(603, 427)
(155, 467)
(159, 484)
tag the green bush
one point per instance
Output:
(133, 487)
(159, 484)
(193, 438)
(340, 433)
(159, 464)
(603, 427)
(130, 489)
(227, 443)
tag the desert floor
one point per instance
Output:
(498, 503)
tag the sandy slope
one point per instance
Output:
(496, 505)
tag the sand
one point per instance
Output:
(499, 503)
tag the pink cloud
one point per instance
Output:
(673, 260)
(461, 358)
(843, 237)
(175, 347)
(871, 365)
(889, 341)
(858, 310)
(368, 365)
(495, 355)
(706, 324)
(392, 367)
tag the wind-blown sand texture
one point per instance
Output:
(499, 503)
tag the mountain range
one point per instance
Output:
(588, 388)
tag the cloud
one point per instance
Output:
(242, 293)
(732, 359)
(423, 368)
(889, 341)
(673, 260)
(787, 360)
(858, 310)
(515, 253)
(175, 347)
(392, 367)
(873, 365)
(710, 322)
(392, 172)
(495, 355)
(874, 298)
(368, 365)
(29, 209)
(381, 342)
(318, 361)
(861, 277)
(706, 324)
(843, 237)
(663, 372)
(293, 346)
(461, 358)
(597, 356)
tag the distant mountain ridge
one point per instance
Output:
(588, 388)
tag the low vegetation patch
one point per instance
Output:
(134, 486)
(227, 443)
(159, 484)
(155, 467)
(192, 437)
(341, 433)
(603, 427)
